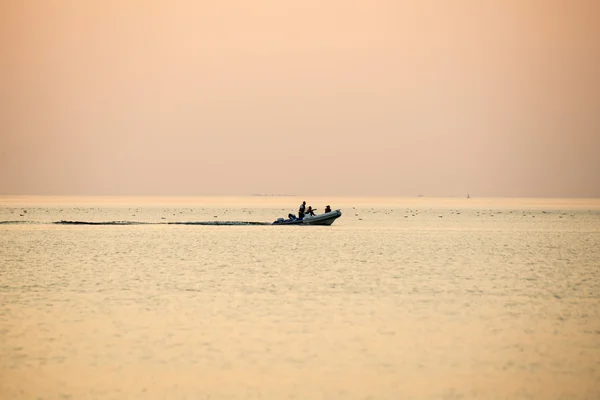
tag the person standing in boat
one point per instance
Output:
(327, 209)
(301, 210)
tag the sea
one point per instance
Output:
(202, 298)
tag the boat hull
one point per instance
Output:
(322, 219)
(288, 222)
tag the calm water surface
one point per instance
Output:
(400, 298)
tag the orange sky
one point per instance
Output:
(440, 98)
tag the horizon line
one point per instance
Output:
(471, 197)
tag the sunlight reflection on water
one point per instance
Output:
(400, 298)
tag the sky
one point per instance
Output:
(359, 98)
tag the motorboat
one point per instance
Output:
(321, 219)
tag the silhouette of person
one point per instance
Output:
(301, 210)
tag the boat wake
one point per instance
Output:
(209, 223)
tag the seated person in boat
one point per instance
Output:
(327, 209)
(311, 211)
